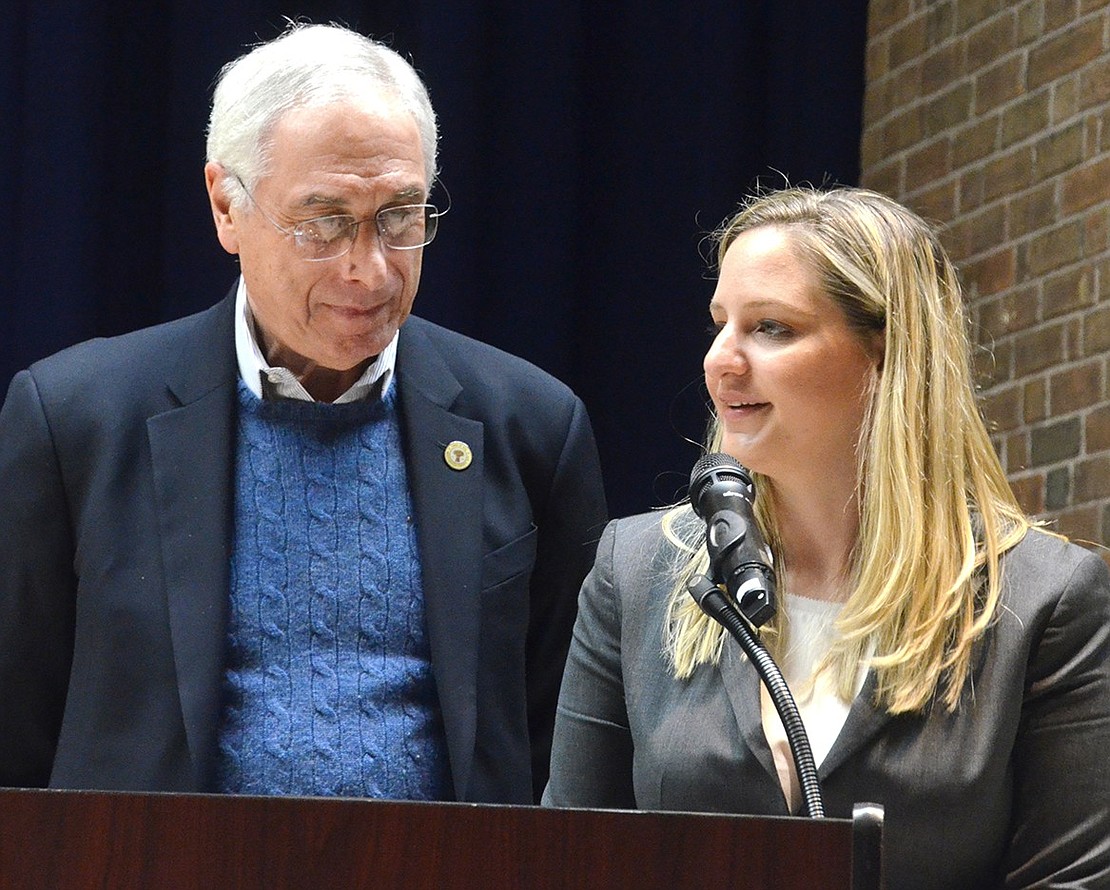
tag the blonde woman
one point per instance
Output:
(950, 660)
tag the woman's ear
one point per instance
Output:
(878, 348)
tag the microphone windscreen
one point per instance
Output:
(717, 468)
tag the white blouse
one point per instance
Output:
(810, 635)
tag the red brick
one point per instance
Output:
(1094, 83)
(1029, 27)
(943, 66)
(1029, 491)
(974, 142)
(1038, 349)
(1075, 389)
(998, 84)
(1059, 150)
(1025, 117)
(929, 163)
(993, 273)
(877, 101)
(1065, 52)
(1097, 425)
(992, 366)
(1079, 524)
(1055, 248)
(902, 130)
(1036, 400)
(987, 230)
(1003, 409)
(1059, 14)
(1065, 100)
(872, 149)
(877, 61)
(988, 44)
(1033, 210)
(972, 186)
(940, 22)
(947, 110)
(1092, 479)
(1086, 185)
(885, 178)
(1068, 291)
(936, 204)
(971, 12)
(1017, 452)
(1096, 230)
(1096, 331)
(907, 42)
(1008, 174)
(1011, 313)
(883, 15)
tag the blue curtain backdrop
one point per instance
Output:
(588, 149)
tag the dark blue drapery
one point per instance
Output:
(588, 148)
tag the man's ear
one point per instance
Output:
(220, 201)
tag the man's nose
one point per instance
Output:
(366, 260)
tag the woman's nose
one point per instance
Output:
(725, 355)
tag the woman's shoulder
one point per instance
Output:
(1047, 576)
(644, 550)
(1046, 558)
(666, 528)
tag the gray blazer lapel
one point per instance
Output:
(863, 723)
(192, 450)
(742, 684)
(448, 507)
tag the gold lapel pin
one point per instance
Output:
(457, 455)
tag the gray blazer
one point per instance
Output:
(1011, 790)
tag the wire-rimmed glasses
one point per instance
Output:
(400, 227)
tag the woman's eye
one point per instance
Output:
(772, 329)
(714, 328)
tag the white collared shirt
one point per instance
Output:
(253, 365)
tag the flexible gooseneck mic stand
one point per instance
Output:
(715, 604)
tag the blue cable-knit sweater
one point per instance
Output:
(328, 686)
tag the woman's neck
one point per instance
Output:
(818, 527)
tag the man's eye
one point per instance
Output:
(398, 219)
(324, 229)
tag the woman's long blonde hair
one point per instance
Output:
(936, 511)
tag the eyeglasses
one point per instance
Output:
(404, 227)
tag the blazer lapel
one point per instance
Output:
(863, 723)
(448, 505)
(742, 684)
(192, 449)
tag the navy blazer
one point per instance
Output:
(116, 466)
(1012, 789)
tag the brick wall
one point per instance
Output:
(992, 119)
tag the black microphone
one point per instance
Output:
(721, 493)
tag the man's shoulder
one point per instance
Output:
(475, 362)
(140, 350)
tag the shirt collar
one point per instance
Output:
(281, 383)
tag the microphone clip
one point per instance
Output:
(746, 575)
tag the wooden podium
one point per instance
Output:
(86, 839)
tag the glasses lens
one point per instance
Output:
(407, 227)
(326, 237)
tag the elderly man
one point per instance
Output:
(301, 542)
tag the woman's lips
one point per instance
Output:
(745, 409)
